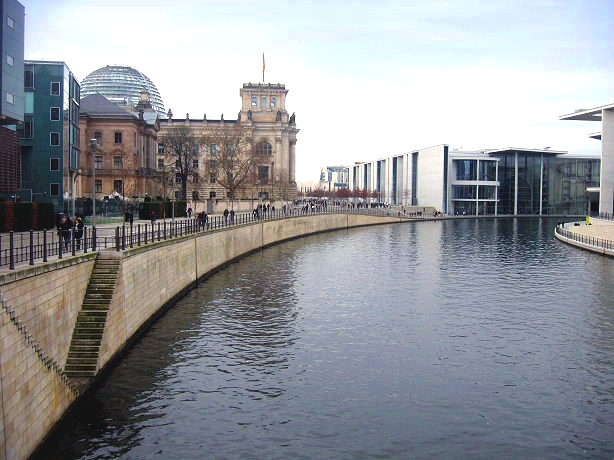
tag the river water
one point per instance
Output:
(451, 339)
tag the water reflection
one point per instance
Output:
(466, 338)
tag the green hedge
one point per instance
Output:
(22, 217)
(162, 209)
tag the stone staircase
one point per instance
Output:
(82, 360)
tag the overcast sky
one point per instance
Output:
(366, 79)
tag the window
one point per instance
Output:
(118, 137)
(178, 178)
(160, 163)
(263, 101)
(54, 189)
(54, 164)
(212, 194)
(195, 177)
(195, 164)
(212, 179)
(273, 102)
(28, 79)
(160, 149)
(117, 163)
(254, 101)
(98, 162)
(118, 186)
(10, 60)
(55, 88)
(213, 149)
(10, 98)
(264, 148)
(10, 22)
(54, 114)
(195, 195)
(98, 186)
(98, 137)
(263, 174)
(26, 131)
(54, 139)
(195, 149)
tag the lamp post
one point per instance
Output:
(93, 147)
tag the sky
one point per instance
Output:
(366, 79)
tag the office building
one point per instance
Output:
(11, 95)
(50, 136)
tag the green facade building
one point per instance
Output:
(49, 137)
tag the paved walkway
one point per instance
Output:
(598, 228)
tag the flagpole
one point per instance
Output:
(263, 67)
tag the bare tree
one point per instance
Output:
(230, 157)
(281, 186)
(181, 148)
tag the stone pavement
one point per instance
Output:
(598, 228)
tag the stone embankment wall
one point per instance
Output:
(40, 305)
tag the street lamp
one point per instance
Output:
(93, 147)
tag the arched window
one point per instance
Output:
(263, 101)
(264, 148)
(273, 102)
(254, 101)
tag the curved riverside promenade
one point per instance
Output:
(598, 236)
(64, 322)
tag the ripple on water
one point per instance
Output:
(465, 339)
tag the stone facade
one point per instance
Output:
(271, 130)
(125, 157)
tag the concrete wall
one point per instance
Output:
(46, 299)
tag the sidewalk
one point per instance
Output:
(598, 228)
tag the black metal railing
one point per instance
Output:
(606, 216)
(599, 243)
(28, 247)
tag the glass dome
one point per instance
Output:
(122, 85)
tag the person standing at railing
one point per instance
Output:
(64, 230)
(78, 231)
(232, 216)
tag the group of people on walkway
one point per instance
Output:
(69, 229)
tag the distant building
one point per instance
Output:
(11, 95)
(605, 115)
(272, 131)
(122, 85)
(512, 181)
(125, 152)
(50, 135)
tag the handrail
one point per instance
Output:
(28, 247)
(600, 243)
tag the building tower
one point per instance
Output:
(263, 108)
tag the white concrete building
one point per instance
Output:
(604, 114)
(487, 182)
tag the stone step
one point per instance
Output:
(88, 335)
(79, 356)
(77, 348)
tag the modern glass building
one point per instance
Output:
(49, 137)
(122, 85)
(511, 181)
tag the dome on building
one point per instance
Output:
(122, 85)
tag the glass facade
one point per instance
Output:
(560, 181)
(122, 85)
